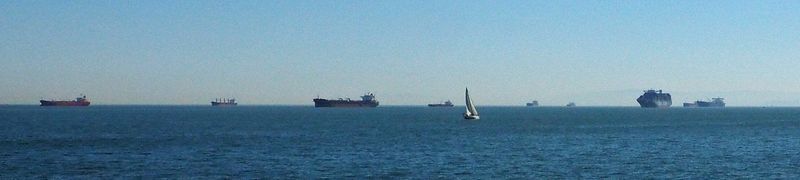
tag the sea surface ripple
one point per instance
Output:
(294, 142)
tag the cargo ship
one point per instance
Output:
(655, 99)
(224, 102)
(532, 104)
(445, 104)
(715, 102)
(367, 100)
(79, 101)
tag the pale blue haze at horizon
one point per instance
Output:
(406, 52)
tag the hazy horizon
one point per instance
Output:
(593, 53)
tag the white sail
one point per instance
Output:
(467, 107)
(471, 111)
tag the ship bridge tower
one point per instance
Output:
(368, 97)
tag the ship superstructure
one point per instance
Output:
(79, 101)
(367, 100)
(654, 99)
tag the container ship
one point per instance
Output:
(715, 102)
(532, 104)
(445, 104)
(80, 101)
(224, 102)
(367, 100)
(655, 99)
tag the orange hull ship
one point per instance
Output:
(80, 101)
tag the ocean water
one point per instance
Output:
(296, 142)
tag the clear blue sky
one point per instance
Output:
(407, 52)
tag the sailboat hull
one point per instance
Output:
(471, 117)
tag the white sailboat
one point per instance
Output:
(471, 113)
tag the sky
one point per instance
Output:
(406, 52)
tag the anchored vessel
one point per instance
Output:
(471, 113)
(715, 102)
(80, 101)
(571, 104)
(655, 99)
(445, 104)
(224, 102)
(532, 104)
(367, 100)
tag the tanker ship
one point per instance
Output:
(715, 102)
(367, 100)
(445, 104)
(655, 99)
(80, 101)
(224, 102)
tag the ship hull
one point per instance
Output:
(344, 103)
(703, 104)
(655, 102)
(64, 103)
(710, 104)
(440, 105)
(223, 104)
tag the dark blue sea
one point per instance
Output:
(296, 142)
